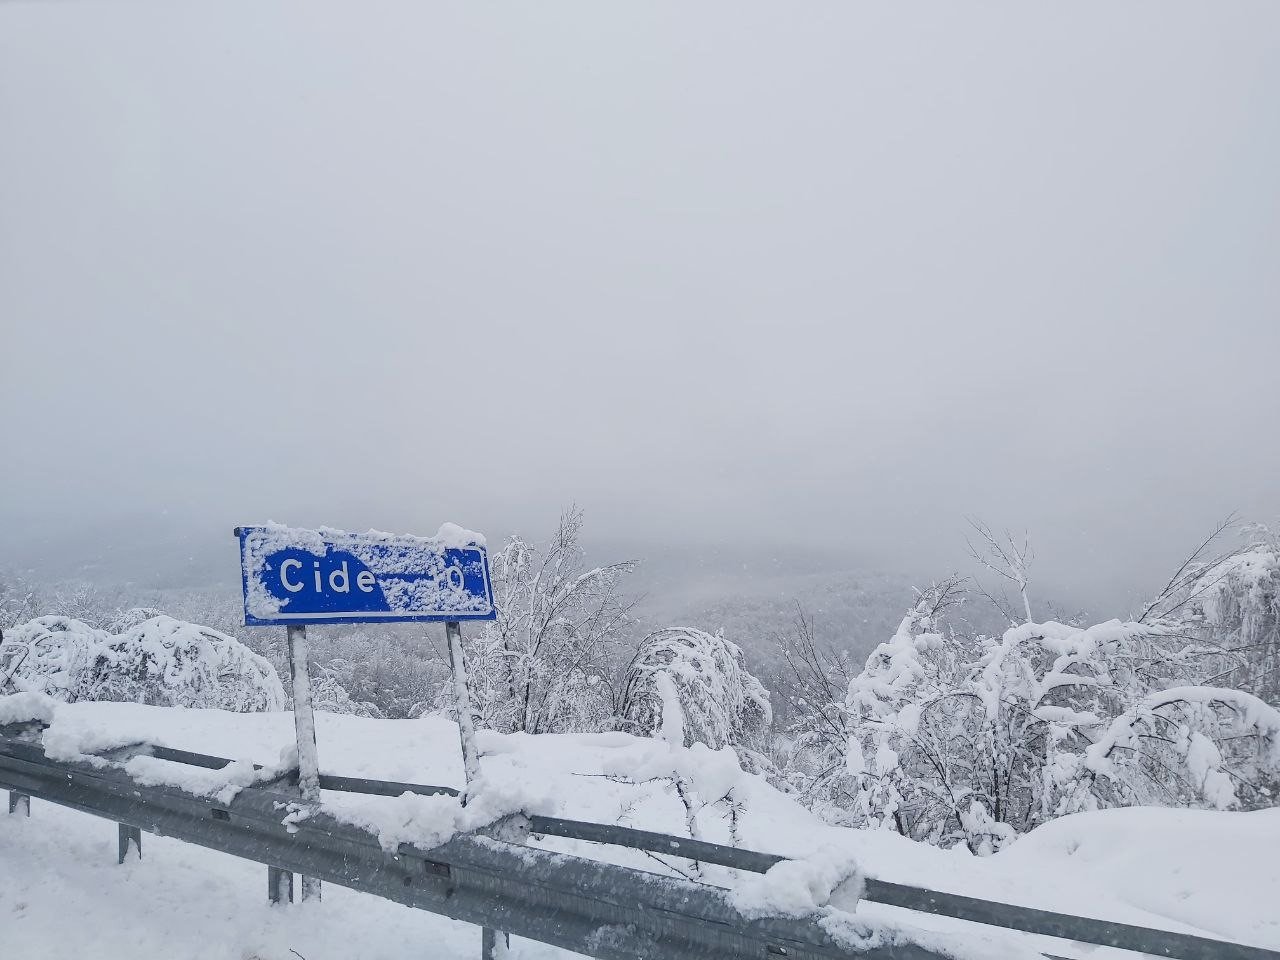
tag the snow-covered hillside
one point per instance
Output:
(1191, 871)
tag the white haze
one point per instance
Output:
(731, 277)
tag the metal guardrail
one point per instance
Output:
(582, 905)
(591, 907)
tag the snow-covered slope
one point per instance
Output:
(1193, 871)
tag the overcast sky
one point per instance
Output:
(737, 272)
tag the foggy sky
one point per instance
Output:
(824, 273)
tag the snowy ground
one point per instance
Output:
(62, 894)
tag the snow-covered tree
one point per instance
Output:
(811, 685)
(86, 602)
(20, 601)
(1229, 607)
(547, 663)
(158, 661)
(688, 687)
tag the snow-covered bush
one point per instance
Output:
(159, 661)
(132, 617)
(958, 738)
(979, 749)
(47, 655)
(691, 687)
(1190, 746)
(330, 696)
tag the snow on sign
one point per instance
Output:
(294, 576)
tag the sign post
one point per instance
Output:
(462, 705)
(493, 943)
(293, 577)
(304, 723)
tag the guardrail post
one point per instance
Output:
(129, 835)
(494, 944)
(17, 800)
(279, 885)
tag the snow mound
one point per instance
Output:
(825, 882)
(1202, 868)
(26, 708)
(159, 661)
(429, 821)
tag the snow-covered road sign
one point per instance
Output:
(295, 576)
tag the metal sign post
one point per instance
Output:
(304, 724)
(462, 705)
(493, 943)
(292, 577)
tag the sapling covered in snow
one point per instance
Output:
(894, 708)
(691, 689)
(545, 665)
(845, 759)
(706, 782)
(812, 683)
(689, 686)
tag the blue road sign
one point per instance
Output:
(294, 576)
